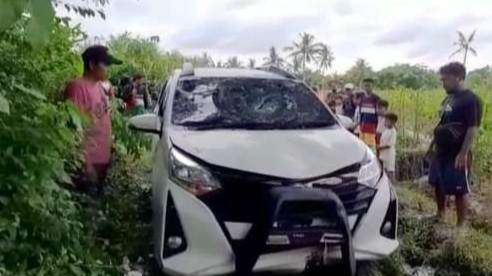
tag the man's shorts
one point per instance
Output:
(443, 174)
(369, 139)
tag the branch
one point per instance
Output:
(456, 52)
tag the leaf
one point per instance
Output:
(102, 14)
(30, 91)
(4, 105)
(4, 200)
(39, 27)
(10, 12)
(76, 270)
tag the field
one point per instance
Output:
(418, 112)
(426, 246)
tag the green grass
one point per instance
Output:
(418, 112)
(441, 245)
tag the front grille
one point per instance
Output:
(355, 197)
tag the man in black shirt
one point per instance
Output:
(461, 115)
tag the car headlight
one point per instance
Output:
(370, 170)
(190, 175)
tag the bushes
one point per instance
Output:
(41, 229)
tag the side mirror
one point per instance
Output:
(346, 122)
(149, 123)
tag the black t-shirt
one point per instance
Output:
(460, 111)
(463, 107)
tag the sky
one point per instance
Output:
(383, 32)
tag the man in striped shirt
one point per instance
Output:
(368, 114)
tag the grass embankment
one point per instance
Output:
(424, 242)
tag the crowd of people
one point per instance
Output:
(449, 154)
(369, 119)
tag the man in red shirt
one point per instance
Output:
(88, 95)
(368, 115)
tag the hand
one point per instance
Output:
(461, 162)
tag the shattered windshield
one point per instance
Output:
(208, 103)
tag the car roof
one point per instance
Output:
(235, 73)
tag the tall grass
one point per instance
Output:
(418, 112)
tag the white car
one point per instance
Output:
(252, 173)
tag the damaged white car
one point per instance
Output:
(253, 173)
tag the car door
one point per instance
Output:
(160, 168)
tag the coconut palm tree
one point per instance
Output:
(233, 62)
(306, 49)
(274, 58)
(295, 65)
(251, 63)
(207, 60)
(464, 45)
(325, 58)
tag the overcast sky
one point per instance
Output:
(383, 32)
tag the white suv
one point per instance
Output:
(252, 173)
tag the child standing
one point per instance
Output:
(387, 145)
(382, 108)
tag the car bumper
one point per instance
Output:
(209, 251)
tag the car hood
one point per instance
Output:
(291, 154)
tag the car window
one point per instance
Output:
(247, 103)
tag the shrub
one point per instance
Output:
(41, 226)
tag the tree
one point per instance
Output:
(325, 58)
(295, 65)
(274, 58)
(144, 56)
(480, 77)
(359, 71)
(408, 76)
(251, 63)
(40, 15)
(233, 62)
(202, 61)
(305, 51)
(464, 45)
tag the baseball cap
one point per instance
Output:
(349, 86)
(99, 53)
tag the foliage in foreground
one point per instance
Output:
(42, 229)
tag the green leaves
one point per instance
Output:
(4, 105)
(36, 94)
(41, 22)
(10, 12)
(40, 13)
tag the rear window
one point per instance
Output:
(247, 104)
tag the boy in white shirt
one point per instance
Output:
(387, 145)
(382, 108)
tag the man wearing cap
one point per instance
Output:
(88, 95)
